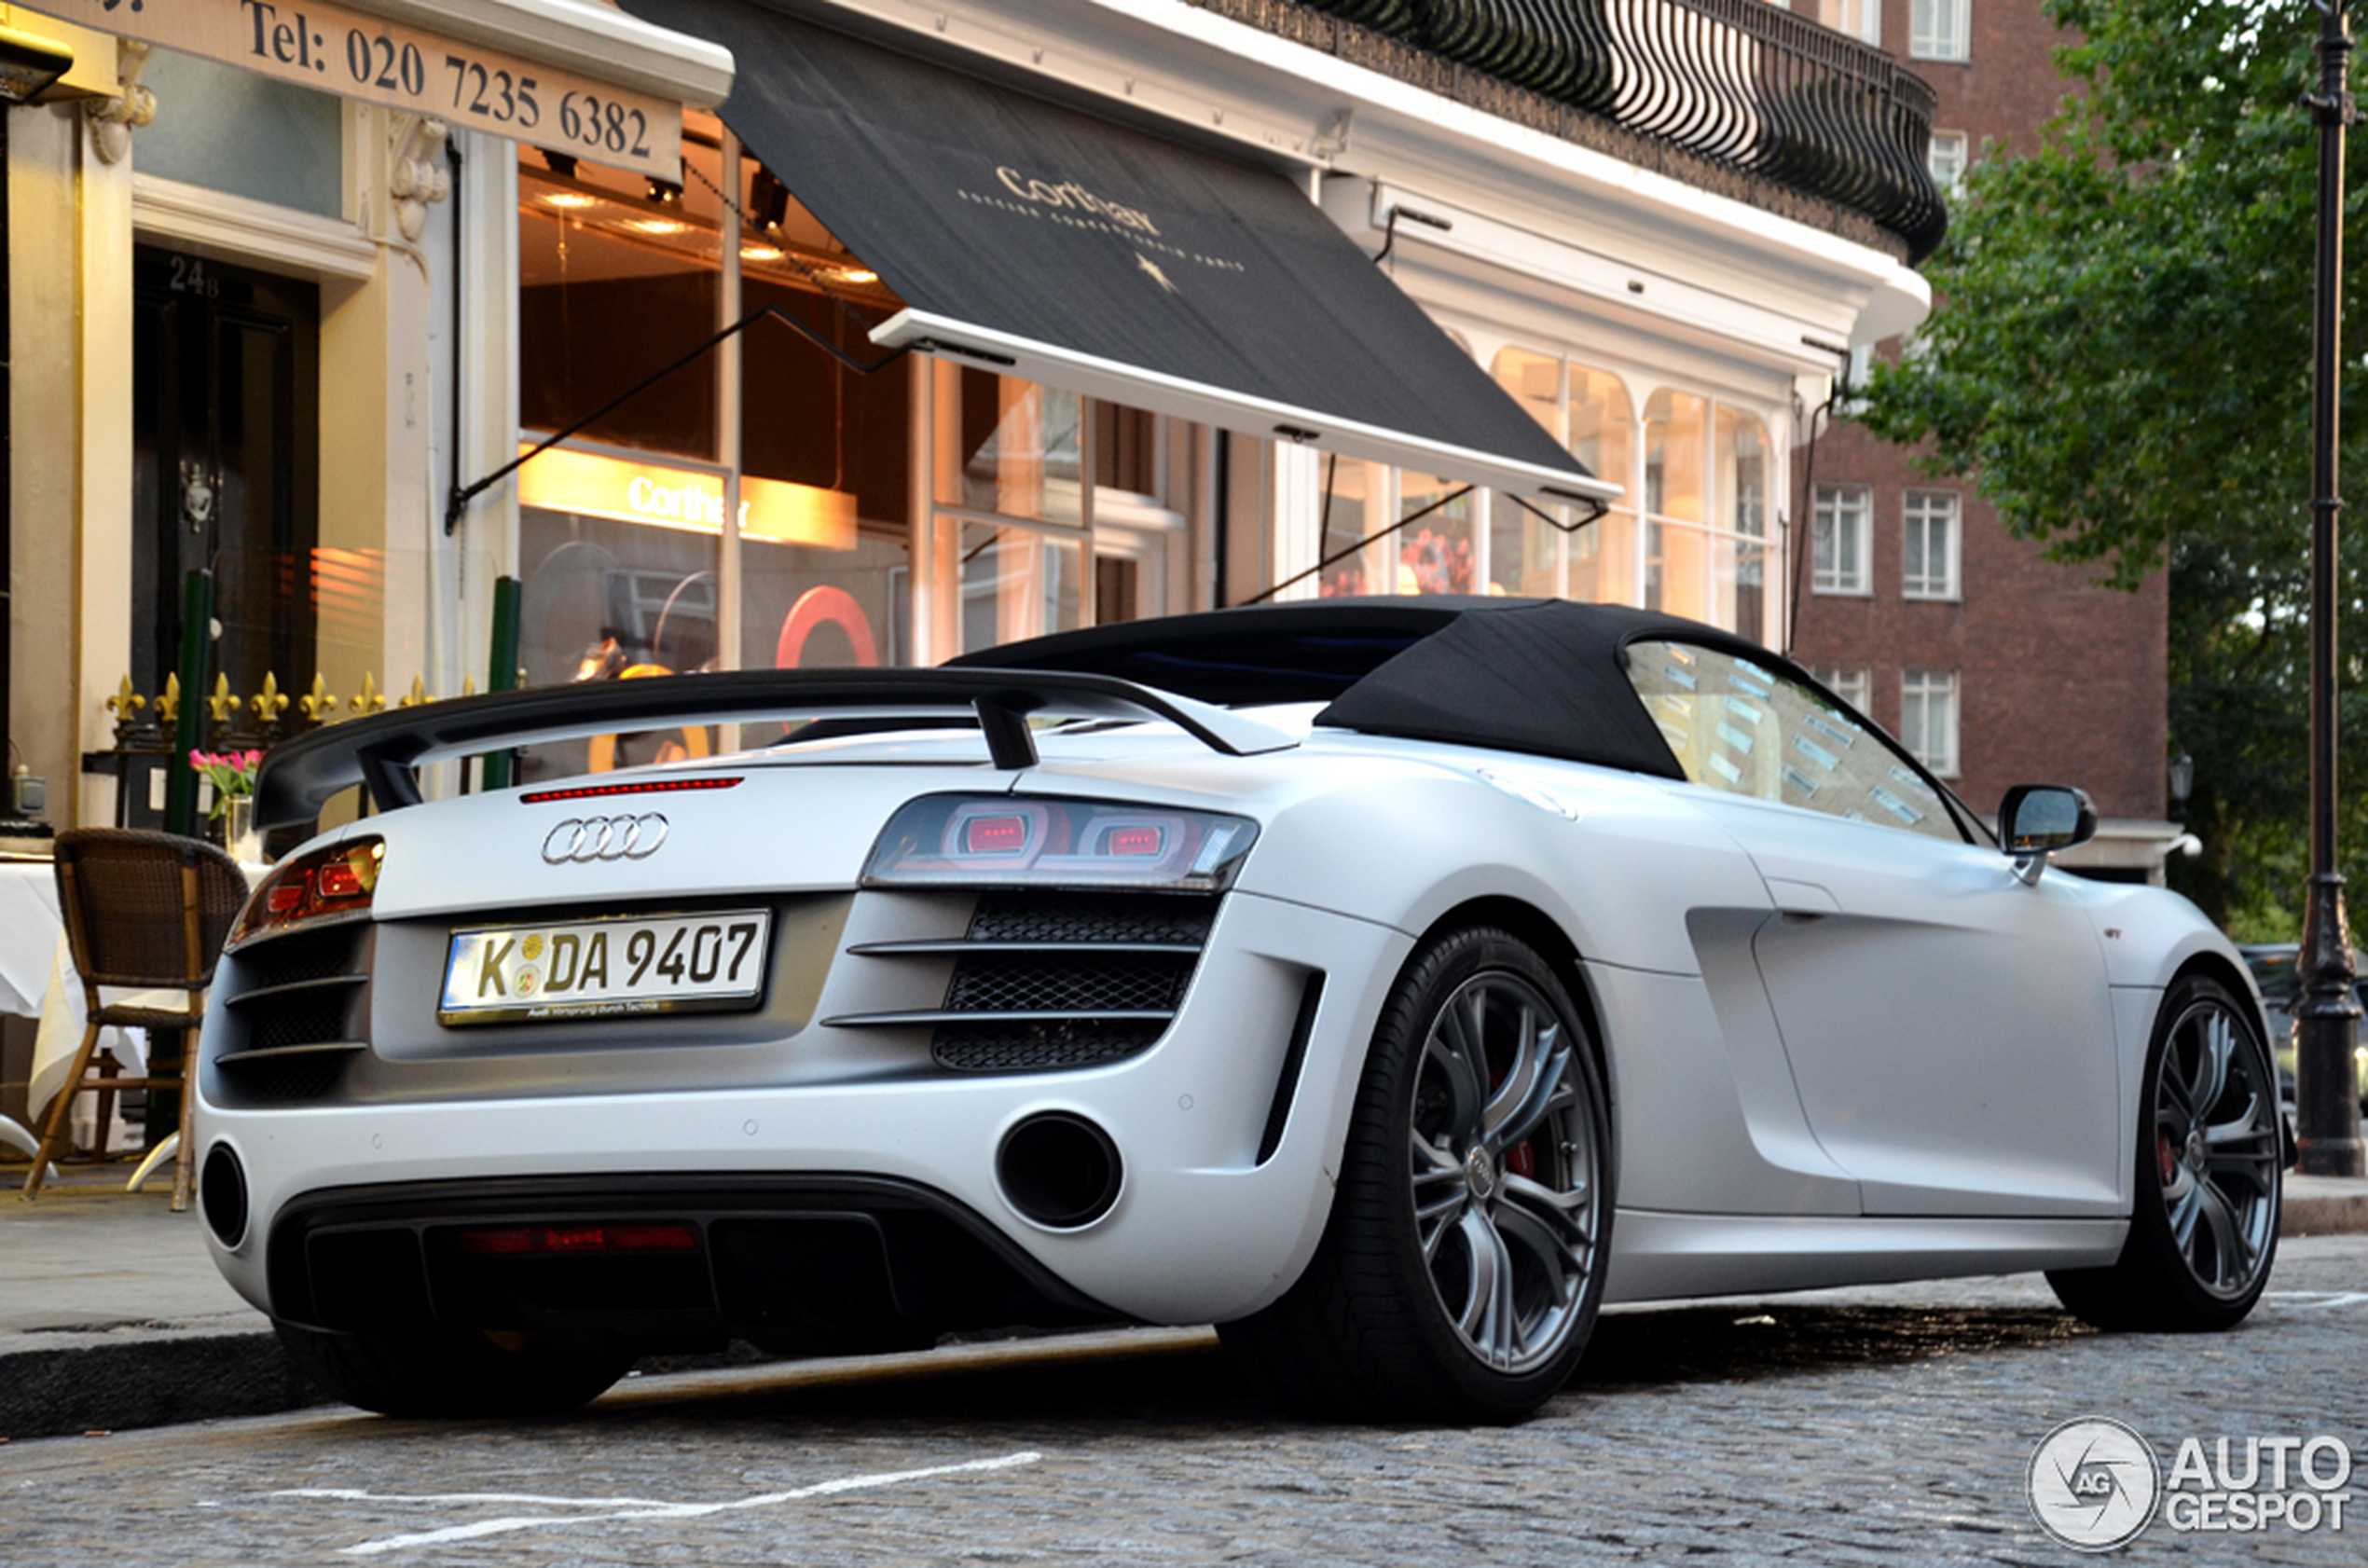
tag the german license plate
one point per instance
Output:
(623, 968)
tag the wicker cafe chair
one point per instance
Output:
(145, 911)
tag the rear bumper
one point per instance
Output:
(792, 1263)
(1223, 1199)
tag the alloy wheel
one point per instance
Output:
(1505, 1170)
(2216, 1147)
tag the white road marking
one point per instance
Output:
(605, 1510)
(2319, 1301)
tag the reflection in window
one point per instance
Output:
(1738, 727)
(1928, 718)
(1016, 583)
(1435, 552)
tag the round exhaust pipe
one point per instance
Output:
(1059, 1170)
(222, 1195)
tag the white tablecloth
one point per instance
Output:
(37, 979)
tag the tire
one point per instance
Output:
(2203, 1232)
(1459, 1275)
(449, 1372)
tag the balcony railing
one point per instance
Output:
(1739, 82)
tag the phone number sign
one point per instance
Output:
(356, 55)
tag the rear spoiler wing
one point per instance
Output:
(380, 752)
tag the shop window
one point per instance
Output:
(1929, 559)
(1434, 549)
(1524, 550)
(1928, 718)
(1939, 29)
(1843, 522)
(1737, 727)
(1352, 501)
(1744, 581)
(1676, 546)
(620, 532)
(1603, 435)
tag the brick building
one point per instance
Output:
(1996, 667)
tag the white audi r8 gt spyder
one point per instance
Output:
(1389, 982)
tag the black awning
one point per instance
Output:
(1091, 256)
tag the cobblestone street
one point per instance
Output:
(1879, 1425)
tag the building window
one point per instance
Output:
(1928, 561)
(1853, 683)
(1843, 521)
(1937, 29)
(1946, 159)
(1928, 718)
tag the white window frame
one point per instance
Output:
(1928, 713)
(1833, 568)
(1939, 29)
(1929, 513)
(1945, 157)
(1854, 683)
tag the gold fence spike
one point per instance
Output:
(419, 694)
(317, 703)
(468, 686)
(270, 702)
(222, 704)
(169, 704)
(126, 702)
(369, 700)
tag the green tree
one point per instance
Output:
(2121, 360)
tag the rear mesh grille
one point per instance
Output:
(1049, 980)
(283, 1044)
(1087, 982)
(1061, 918)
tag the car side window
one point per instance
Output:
(1750, 731)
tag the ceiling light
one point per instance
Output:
(760, 253)
(854, 275)
(657, 225)
(568, 198)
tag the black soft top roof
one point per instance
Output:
(1536, 675)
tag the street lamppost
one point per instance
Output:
(2327, 1100)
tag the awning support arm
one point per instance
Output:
(461, 495)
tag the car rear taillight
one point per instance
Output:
(339, 880)
(1008, 841)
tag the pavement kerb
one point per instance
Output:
(196, 1352)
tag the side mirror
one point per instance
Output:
(2038, 820)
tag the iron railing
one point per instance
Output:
(1741, 82)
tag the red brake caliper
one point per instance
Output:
(2166, 1155)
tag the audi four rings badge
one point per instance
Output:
(583, 839)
